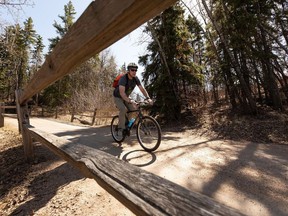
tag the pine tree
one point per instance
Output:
(62, 28)
(16, 43)
(57, 94)
(170, 71)
(77, 90)
(25, 42)
(247, 34)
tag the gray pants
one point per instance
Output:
(123, 107)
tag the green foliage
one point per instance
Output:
(246, 46)
(57, 93)
(89, 85)
(16, 48)
(171, 69)
(240, 50)
(67, 21)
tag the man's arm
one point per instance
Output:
(144, 92)
(123, 94)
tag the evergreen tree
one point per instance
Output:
(62, 28)
(16, 43)
(247, 49)
(36, 60)
(57, 94)
(169, 69)
(25, 42)
(37, 54)
(9, 61)
(78, 89)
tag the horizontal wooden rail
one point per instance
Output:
(104, 117)
(10, 115)
(2, 112)
(102, 23)
(97, 114)
(7, 107)
(142, 192)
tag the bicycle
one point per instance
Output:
(148, 130)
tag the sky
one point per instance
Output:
(44, 13)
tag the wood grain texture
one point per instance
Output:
(142, 192)
(102, 23)
(24, 122)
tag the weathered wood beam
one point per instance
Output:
(102, 23)
(6, 107)
(142, 192)
(23, 123)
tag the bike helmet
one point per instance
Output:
(132, 65)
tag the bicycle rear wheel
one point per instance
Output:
(116, 134)
(148, 133)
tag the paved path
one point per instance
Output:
(250, 177)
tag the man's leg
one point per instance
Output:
(130, 108)
(122, 111)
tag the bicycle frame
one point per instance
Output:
(138, 118)
(148, 131)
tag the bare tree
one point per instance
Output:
(11, 9)
(93, 84)
(15, 4)
(245, 87)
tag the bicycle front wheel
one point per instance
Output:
(148, 133)
(116, 134)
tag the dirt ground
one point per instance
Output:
(50, 186)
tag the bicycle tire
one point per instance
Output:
(114, 130)
(148, 133)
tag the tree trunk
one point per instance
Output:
(244, 86)
(270, 78)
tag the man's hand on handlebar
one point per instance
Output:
(134, 103)
(149, 101)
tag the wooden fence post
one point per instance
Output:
(56, 113)
(24, 123)
(2, 110)
(42, 110)
(72, 114)
(94, 117)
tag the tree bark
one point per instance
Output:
(270, 77)
(244, 86)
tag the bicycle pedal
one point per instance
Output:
(126, 132)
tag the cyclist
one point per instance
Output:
(122, 92)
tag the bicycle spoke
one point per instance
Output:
(116, 134)
(149, 134)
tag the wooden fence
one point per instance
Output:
(2, 112)
(101, 24)
(88, 117)
(94, 117)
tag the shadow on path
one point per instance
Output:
(21, 180)
(45, 186)
(268, 176)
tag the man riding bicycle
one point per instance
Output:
(122, 92)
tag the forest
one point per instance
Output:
(232, 52)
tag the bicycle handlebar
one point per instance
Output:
(139, 103)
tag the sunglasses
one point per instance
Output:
(133, 70)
